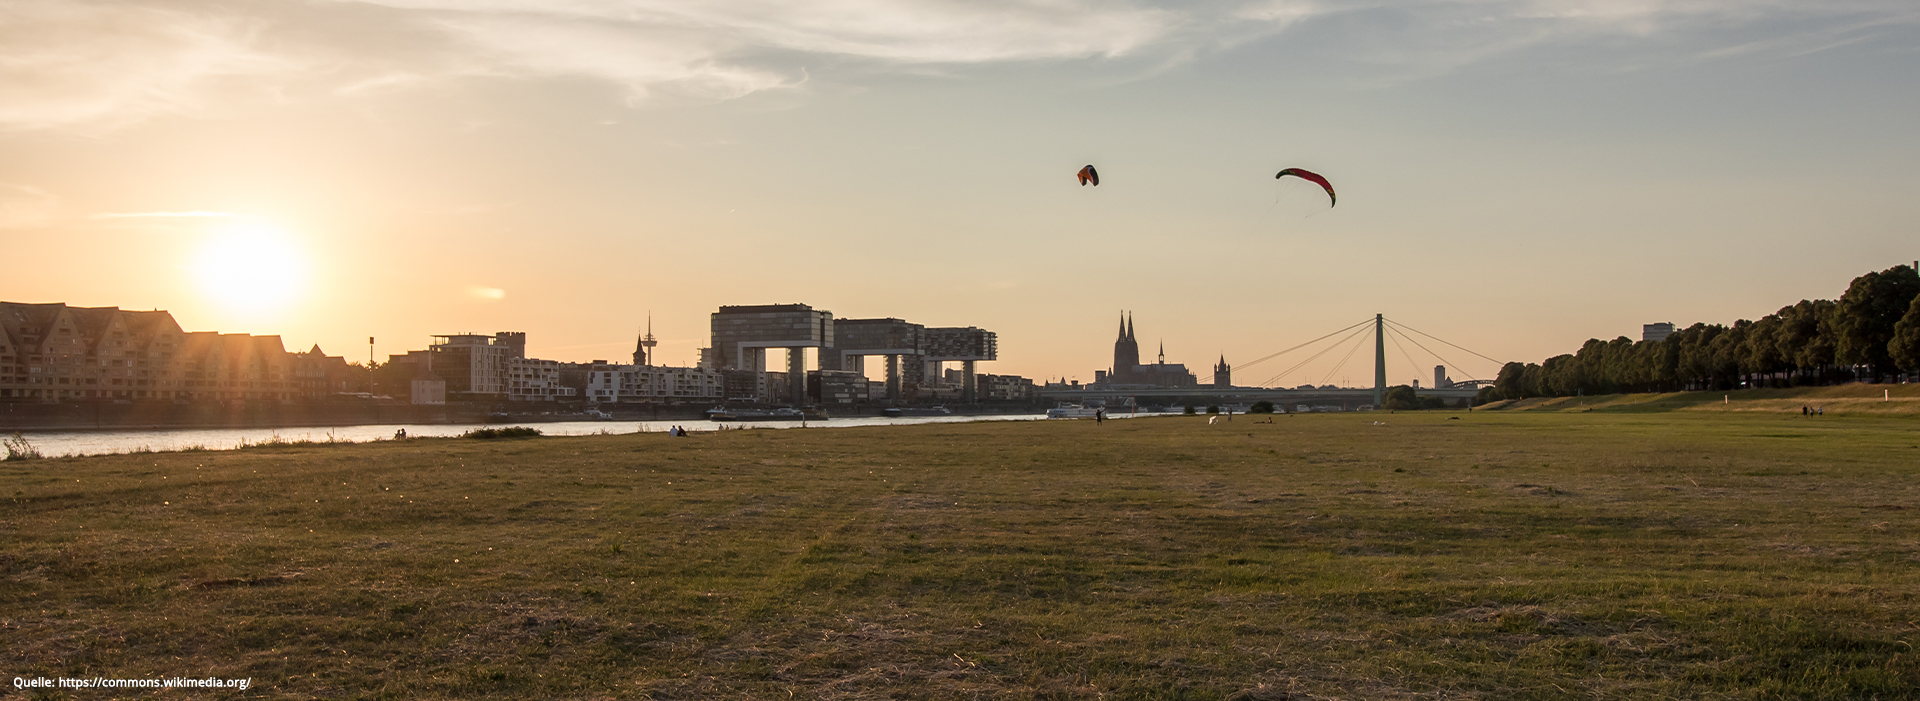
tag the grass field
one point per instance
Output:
(1497, 555)
(1851, 399)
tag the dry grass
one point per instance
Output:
(1849, 399)
(1501, 555)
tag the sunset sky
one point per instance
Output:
(1514, 176)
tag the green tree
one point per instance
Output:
(1695, 362)
(1508, 383)
(1760, 355)
(1804, 338)
(1261, 407)
(1904, 349)
(1865, 316)
(1727, 351)
(1400, 398)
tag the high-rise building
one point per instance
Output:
(742, 335)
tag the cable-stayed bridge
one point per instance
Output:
(1379, 329)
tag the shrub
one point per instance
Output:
(508, 432)
(1261, 407)
(19, 449)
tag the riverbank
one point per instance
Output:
(1516, 555)
(109, 415)
(1855, 398)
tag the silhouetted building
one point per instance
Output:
(1656, 332)
(53, 352)
(1127, 369)
(494, 368)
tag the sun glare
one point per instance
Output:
(251, 268)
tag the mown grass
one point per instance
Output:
(1853, 398)
(1531, 555)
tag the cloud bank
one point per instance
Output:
(103, 63)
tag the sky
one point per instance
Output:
(1514, 176)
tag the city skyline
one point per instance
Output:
(1515, 177)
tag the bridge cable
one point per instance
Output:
(1335, 346)
(1343, 360)
(1243, 366)
(1429, 351)
(1405, 354)
(1442, 340)
(1356, 332)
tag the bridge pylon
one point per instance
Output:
(1379, 361)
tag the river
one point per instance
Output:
(105, 442)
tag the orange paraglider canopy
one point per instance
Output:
(1089, 175)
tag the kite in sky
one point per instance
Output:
(1089, 175)
(1306, 175)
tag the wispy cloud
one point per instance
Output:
(25, 207)
(158, 215)
(64, 62)
(96, 62)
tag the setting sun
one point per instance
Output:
(250, 267)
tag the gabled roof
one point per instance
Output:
(14, 315)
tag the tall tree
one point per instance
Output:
(1865, 316)
(1509, 382)
(1762, 354)
(1695, 356)
(1905, 346)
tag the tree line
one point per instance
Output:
(1872, 333)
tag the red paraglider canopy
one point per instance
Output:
(1089, 175)
(1308, 176)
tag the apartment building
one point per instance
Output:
(54, 352)
(609, 384)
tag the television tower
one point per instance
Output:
(644, 354)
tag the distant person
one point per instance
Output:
(1804, 410)
(400, 434)
(1099, 416)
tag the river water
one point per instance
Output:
(103, 442)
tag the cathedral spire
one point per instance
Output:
(1130, 326)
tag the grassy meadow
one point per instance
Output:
(1495, 555)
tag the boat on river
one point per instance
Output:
(785, 413)
(1074, 411)
(896, 411)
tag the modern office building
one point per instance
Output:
(966, 344)
(481, 368)
(742, 335)
(897, 340)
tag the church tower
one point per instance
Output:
(1126, 352)
(1222, 374)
